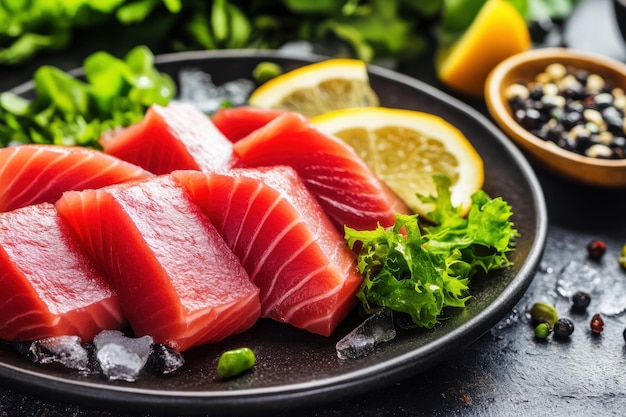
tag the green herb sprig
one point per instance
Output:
(68, 111)
(368, 28)
(422, 270)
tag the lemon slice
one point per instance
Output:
(497, 32)
(317, 88)
(406, 148)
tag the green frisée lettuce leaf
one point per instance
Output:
(420, 270)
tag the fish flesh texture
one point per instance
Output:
(346, 188)
(238, 122)
(50, 287)
(178, 136)
(176, 278)
(305, 271)
(32, 174)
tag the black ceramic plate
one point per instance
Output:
(295, 368)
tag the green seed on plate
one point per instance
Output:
(542, 330)
(265, 71)
(234, 362)
(544, 313)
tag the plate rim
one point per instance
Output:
(326, 389)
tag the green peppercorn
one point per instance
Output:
(235, 362)
(542, 330)
(544, 313)
(265, 71)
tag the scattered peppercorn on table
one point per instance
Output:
(515, 368)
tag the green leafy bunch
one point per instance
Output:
(422, 270)
(30, 26)
(368, 29)
(69, 111)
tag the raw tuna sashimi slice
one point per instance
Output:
(50, 287)
(176, 278)
(31, 174)
(237, 122)
(178, 136)
(306, 273)
(346, 188)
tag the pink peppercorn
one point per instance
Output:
(596, 324)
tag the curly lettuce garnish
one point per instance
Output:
(421, 270)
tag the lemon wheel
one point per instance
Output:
(317, 88)
(406, 148)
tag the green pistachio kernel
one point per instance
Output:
(234, 362)
(544, 313)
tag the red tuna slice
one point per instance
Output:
(33, 174)
(306, 273)
(178, 136)
(237, 122)
(50, 287)
(346, 188)
(176, 278)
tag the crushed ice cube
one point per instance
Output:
(378, 328)
(121, 357)
(164, 360)
(197, 88)
(66, 350)
(577, 276)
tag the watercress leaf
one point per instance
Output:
(136, 11)
(103, 72)
(14, 104)
(67, 93)
(351, 36)
(326, 7)
(28, 44)
(239, 27)
(198, 28)
(219, 20)
(173, 6)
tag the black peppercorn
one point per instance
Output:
(563, 328)
(581, 300)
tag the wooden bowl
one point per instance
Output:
(524, 67)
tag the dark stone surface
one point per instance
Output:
(507, 371)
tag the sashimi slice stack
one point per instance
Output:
(181, 137)
(201, 238)
(306, 273)
(176, 278)
(50, 287)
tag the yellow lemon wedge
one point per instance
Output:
(406, 148)
(497, 32)
(317, 88)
